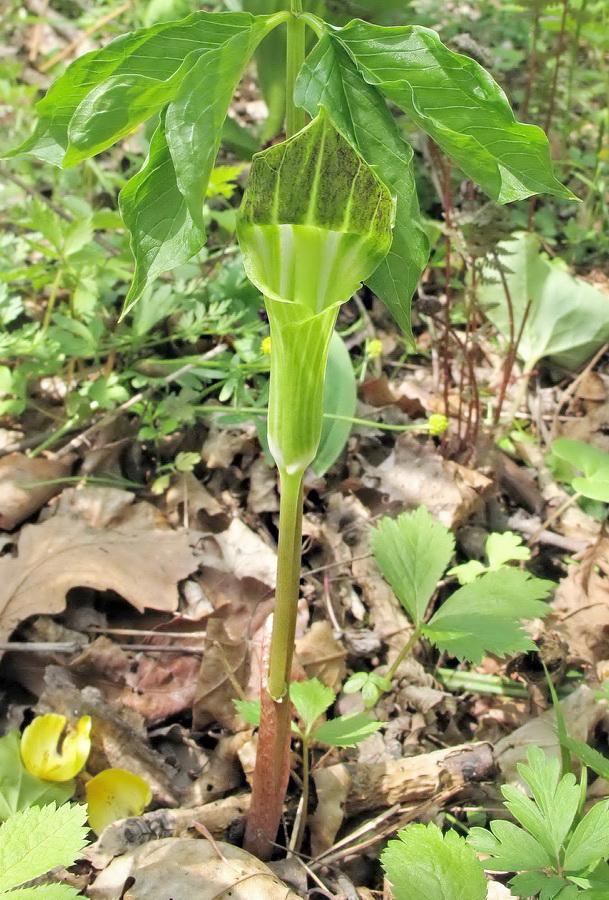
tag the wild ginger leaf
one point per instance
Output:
(157, 52)
(346, 731)
(163, 234)
(426, 864)
(457, 103)
(311, 699)
(39, 838)
(486, 615)
(412, 552)
(330, 78)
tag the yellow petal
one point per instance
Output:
(40, 747)
(115, 794)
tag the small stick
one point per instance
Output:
(71, 647)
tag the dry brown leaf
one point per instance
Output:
(225, 663)
(262, 496)
(222, 446)
(17, 500)
(413, 475)
(321, 655)
(580, 613)
(185, 869)
(142, 565)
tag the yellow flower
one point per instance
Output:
(40, 747)
(115, 794)
(375, 349)
(265, 346)
(437, 424)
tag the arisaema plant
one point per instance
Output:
(333, 206)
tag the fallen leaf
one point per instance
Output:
(580, 613)
(140, 564)
(225, 664)
(185, 869)
(321, 655)
(222, 446)
(413, 476)
(262, 496)
(18, 501)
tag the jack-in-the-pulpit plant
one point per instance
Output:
(332, 207)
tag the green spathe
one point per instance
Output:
(315, 220)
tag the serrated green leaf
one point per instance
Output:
(529, 884)
(467, 572)
(249, 710)
(330, 78)
(512, 848)
(18, 788)
(156, 52)
(340, 399)
(425, 864)
(588, 755)
(194, 119)
(44, 892)
(458, 104)
(590, 841)
(550, 816)
(311, 699)
(412, 552)
(163, 234)
(39, 838)
(486, 616)
(346, 731)
(505, 547)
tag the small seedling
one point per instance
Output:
(593, 462)
(484, 616)
(36, 840)
(311, 700)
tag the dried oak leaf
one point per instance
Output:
(17, 499)
(143, 566)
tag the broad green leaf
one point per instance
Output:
(340, 399)
(39, 838)
(549, 816)
(592, 461)
(486, 615)
(512, 848)
(195, 117)
(412, 552)
(249, 710)
(238, 139)
(505, 547)
(331, 79)
(18, 788)
(568, 319)
(156, 52)
(346, 731)
(458, 104)
(44, 892)
(590, 840)
(311, 699)
(163, 234)
(529, 884)
(427, 865)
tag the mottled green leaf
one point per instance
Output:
(454, 100)
(330, 78)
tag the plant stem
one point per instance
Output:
(404, 652)
(51, 302)
(295, 116)
(288, 584)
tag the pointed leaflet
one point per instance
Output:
(412, 552)
(330, 78)
(458, 104)
(36, 840)
(346, 731)
(485, 616)
(194, 120)
(44, 892)
(163, 234)
(590, 840)
(156, 53)
(426, 864)
(311, 699)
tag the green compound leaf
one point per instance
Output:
(505, 547)
(486, 616)
(590, 840)
(39, 838)
(346, 731)
(44, 892)
(330, 78)
(457, 103)
(311, 699)
(512, 848)
(152, 53)
(315, 220)
(412, 552)
(592, 461)
(18, 788)
(249, 710)
(587, 755)
(426, 864)
(530, 884)
(163, 234)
